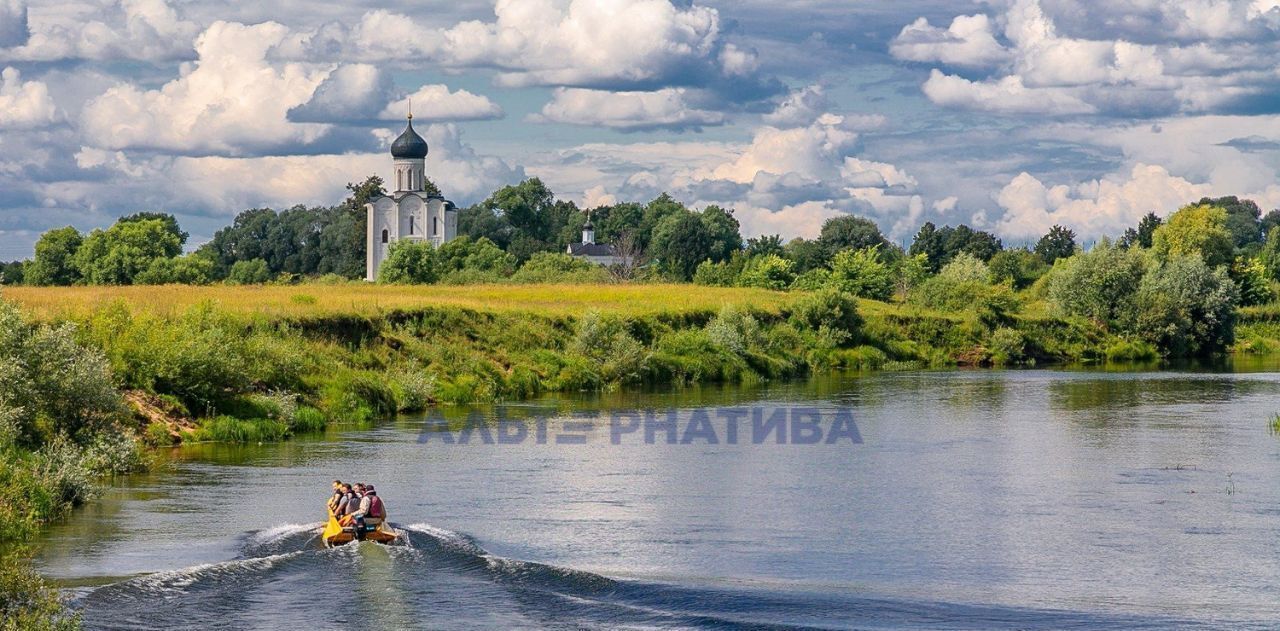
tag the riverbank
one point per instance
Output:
(259, 363)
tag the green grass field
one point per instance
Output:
(368, 299)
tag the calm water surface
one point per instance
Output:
(977, 500)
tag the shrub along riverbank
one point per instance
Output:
(89, 373)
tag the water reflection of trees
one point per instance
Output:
(1129, 391)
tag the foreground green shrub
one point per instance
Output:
(609, 348)
(735, 330)
(51, 384)
(1006, 345)
(828, 308)
(27, 602)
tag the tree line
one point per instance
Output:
(520, 234)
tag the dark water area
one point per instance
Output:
(1041, 499)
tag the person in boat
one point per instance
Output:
(336, 497)
(347, 502)
(371, 511)
(351, 506)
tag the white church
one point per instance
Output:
(409, 212)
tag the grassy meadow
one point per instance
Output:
(370, 300)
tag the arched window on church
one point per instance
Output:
(384, 236)
(410, 224)
(435, 226)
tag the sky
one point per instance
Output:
(1008, 115)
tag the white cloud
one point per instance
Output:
(24, 104)
(1048, 72)
(355, 93)
(799, 108)
(635, 44)
(351, 92)
(816, 152)
(588, 43)
(969, 42)
(118, 29)
(1094, 207)
(1007, 95)
(627, 111)
(230, 102)
(436, 103)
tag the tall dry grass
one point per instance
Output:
(52, 303)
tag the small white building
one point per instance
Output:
(409, 212)
(598, 253)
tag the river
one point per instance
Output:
(1036, 499)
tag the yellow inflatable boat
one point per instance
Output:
(335, 534)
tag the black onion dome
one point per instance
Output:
(409, 146)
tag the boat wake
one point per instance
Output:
(436, 578)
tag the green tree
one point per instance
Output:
(805, 254)
(765, 244)
(680, 242)
(723, 230)
(1147, 229)
(1270, 221)
(526, 207)
(115, 255)
(1058, 243)
(1019, 267)
(1200, 230)
(909, 273)
(1269, 257)
(941, 245)
(1186, 308)
(12, 273)
(1251, 279)
(481, 222)
(850, 232)
(1100, 285)
(410, 263)
(1243, 218)
(52, 264)
(614, 221)
(250, 272)
(170, 223)
(658, 209)
(862, 273)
